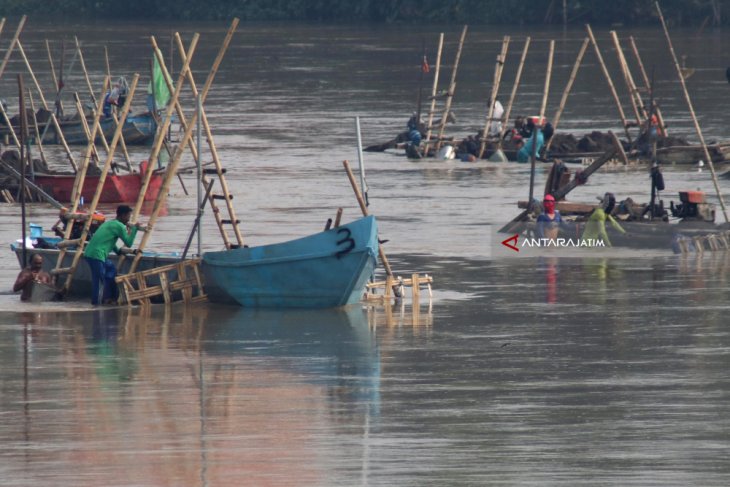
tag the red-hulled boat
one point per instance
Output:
(118, 188)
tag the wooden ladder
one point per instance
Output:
(208, 174)
(173, 282)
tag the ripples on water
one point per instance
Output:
(549, 371)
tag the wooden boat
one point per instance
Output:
(324, 270)
(118, 188)
(138, 129)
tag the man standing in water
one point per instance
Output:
(97, 250)
(32, 274)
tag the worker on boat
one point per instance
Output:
(116, 97)
(495, 128)
(525, 153)
(78, 219)
(103, 271)
(596, 225)
(31, 275)
(548, 223)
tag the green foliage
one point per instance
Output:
(677, 12)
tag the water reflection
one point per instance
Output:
(188, 396)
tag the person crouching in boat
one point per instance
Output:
(31, 275)
(596, 225)
(535, 137)
(103, 271)
(548, 223)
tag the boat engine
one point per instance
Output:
(693, 207)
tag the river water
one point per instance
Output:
(603, 367)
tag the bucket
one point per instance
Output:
(36, 231)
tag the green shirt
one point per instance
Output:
(105, 239)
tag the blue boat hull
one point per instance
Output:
(324, 270)
(138, 130)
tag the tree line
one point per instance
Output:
(530, 12)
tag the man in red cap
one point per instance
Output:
(548, 223)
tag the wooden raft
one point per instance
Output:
(394, 287)
(135, 289)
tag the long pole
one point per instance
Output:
(452, 88)
(361, 160)
(199, 139)
(648, 86)
(12, 45)
(23, 139)
(636, 102)
(364, 209)
(607, 75)
(434, 87)
(692, 113)
(548, 75)
(568, 87)
(538, 126)
(518, 77)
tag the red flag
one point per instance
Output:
(424, 65)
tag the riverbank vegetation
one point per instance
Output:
(601, 12)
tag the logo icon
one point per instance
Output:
(512, 245)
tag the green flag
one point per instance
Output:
(158, 87)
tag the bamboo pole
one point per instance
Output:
(12, 45)
(498, 68)
(568, 87)
(90, 148)
(2, 25)
(162, 130)
(548, 75)
(54, 78)
(54, 120)
(610, 82)
(39, 142)
(636, 103)
(648, 86)
(364, 209)
(452, 89)
(86, 73)
(100, 185)
(692, 113)
(10, 127)
(87, 132)
(434, 88)
(512, 96)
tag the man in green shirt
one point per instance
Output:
(97, 250)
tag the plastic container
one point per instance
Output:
(36, 231)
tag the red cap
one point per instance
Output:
(549, 197)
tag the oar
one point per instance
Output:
(363, 182)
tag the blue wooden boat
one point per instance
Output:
(324, 270)
(138, 129)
